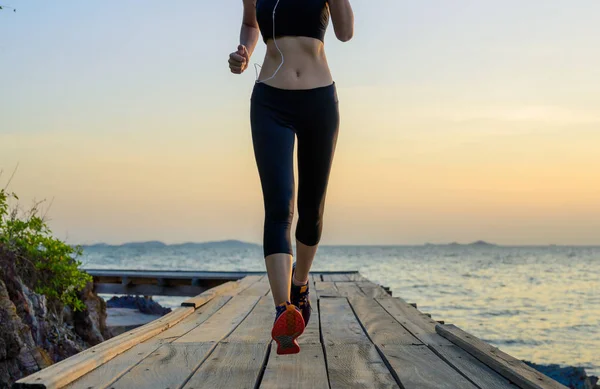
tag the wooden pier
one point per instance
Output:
(359, 336)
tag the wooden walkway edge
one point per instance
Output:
(359, 336)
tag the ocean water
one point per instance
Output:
(536, 303)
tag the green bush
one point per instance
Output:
(48, 263)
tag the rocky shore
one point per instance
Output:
(35, 332)
(143, 304)
(571, 377)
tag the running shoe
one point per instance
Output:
(288, 326)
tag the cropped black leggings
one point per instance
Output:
(277, 117)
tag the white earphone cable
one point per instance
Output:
(278, 49)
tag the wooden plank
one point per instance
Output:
(419, 367)
(421, 326)
(68, 370)
(185, 354)
(357, 366)
(313, 286)
(326, 289)
(72, 368)
(507, 366)
(349, 289)
(416, 366)
(167, 367)
(201, 299)
(338, 323)
(312, 333)
(256, 327)
(382, 328)
(221, 323)
(335, 277)
(231, 365)
(343, 277)
(259, 288)
(303, 370)
(352, 360)
(356, 277)
(107, 373)
(222, 289)
(372, 290)
(239, 358)
(477, 372)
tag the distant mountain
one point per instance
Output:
(220, 243)
(479, 243)
(158, 244)
(482, 243)
(151, 243)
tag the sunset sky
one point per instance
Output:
(460, 120)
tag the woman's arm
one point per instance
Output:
(240, 59)
(342, 18)
(249, 33)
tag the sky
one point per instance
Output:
(460, 121)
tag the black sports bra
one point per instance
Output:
(293, 18)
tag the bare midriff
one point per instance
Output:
(305, 65)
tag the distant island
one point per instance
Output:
(479, 243)
(158, 244)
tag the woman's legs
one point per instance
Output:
(304, 259)
(315, 118)
(279, 271)
(317, 139)
(274, 151)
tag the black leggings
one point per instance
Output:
(277, 116)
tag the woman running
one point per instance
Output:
(294, 96)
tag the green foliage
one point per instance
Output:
(53, 264)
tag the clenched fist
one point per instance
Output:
(238, 60)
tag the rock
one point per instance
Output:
(35, 309)
(570, 376)
(16, 339)
(91, 323)
(144, 305)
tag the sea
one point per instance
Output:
(540, 304)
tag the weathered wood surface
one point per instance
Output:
(352, 360)
(511, 368)
(303, 370)
(372, 290)
(421, 326)
(106, 374)
(312, 333)
(359, 337)
(343, 277)
(115, 346)
(414, 364)
(227, 288)
(381, 327)
(475, 371)
(349, 289)
(326, 289)
(231, 365)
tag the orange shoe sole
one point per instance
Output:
(287, 328)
